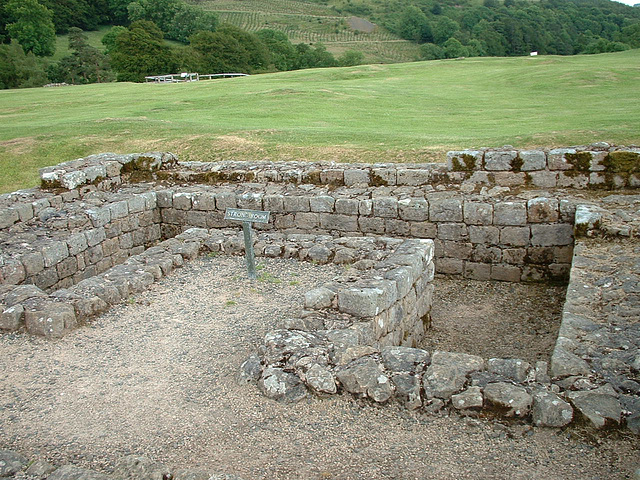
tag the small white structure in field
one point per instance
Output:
(533, 54)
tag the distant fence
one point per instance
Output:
(189, 77)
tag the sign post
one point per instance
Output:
(247, 217)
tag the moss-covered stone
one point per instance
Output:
(464, 163)
(377, 181)
(516, 164)
(620, 166)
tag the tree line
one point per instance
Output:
(455, 28)
(135, 47)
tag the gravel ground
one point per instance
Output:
(156, 377)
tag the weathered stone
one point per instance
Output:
(533, 160)
(133, 467)
(50, 319)
(71, 472)
(551, 235)
(564, 362)
(549, 410)
(513, 399)
(320, 254)
(500, 160)
(54, 252)
(478, 213)
(512, 368)
(322, 204)
(510, 213)
(465, 160)
(445, 209)
(464, 362)
(413, 209)
(347, 206)
(543, 210)
(318, 298)
(250, 370)
(279, 385)
(413, 176)
(39, 469)
(364, 376)
(442, 381)
(599, 406)
(11, 318)
(407, 390)
(11, 463)
(404, 359)
(281, 344)
(470, 398)
(320, 380)
(8, 216)
(385, 207)
(356, 177)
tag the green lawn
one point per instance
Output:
(404, 112)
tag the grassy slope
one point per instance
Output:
(311, 23)
(403, 112)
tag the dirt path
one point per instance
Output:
(157, 377)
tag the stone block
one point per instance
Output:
(533, 160)
(470, 398)
(136, 204)
(307, 220)
(296, 204)
(341, 223)
(453, 231)
(423, 229)
(515, 236)
(543, 179)
(322, 204)
(393, 226)
(119, 209)
(404, 277)
(371, 225)
(408, 388)
(334, 176)
(318, 298)
(413, 209)
(386, 207)
(67, 267)
(11, 318)
(356, 177)
(543, 210)
(551, 235)
(384, 176)
(361, 302)
(549, 410)
(413, 176)
(511, 368)
(510, 179)
(50, 319)
(250, 201)
(225, 200)
(478, 213)
(515, 400)
(74, 179)
(347, 206)
(461, 250)
(500, 160)
(465, 160)
(442, 209)
(273, 203)
(54, 252)
(557, 159)
(449, 266)
(94, 236)
(99, 216)
(399, 359)
(506, 273)
(599, 406)
(477, 271)
(597, 161)
(510, 213)
(484, 235)
(486, 254)
(25, 211)
(8, 216)
(33, 262)
(205, 201)
(579, 181)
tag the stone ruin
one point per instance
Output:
(104, 227)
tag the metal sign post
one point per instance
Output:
(247, 217)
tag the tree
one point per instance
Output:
(413, 25)
(109, 38)
(32, 26)
(283, 52)
(140, 51)
(351, 58)
(431, 51)
(86, 64)
(454, 49)
(85, 14)
(20, 70)
(443, 29)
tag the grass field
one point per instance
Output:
(402, 112)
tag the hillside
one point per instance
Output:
(378, 113)
(309, 22)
